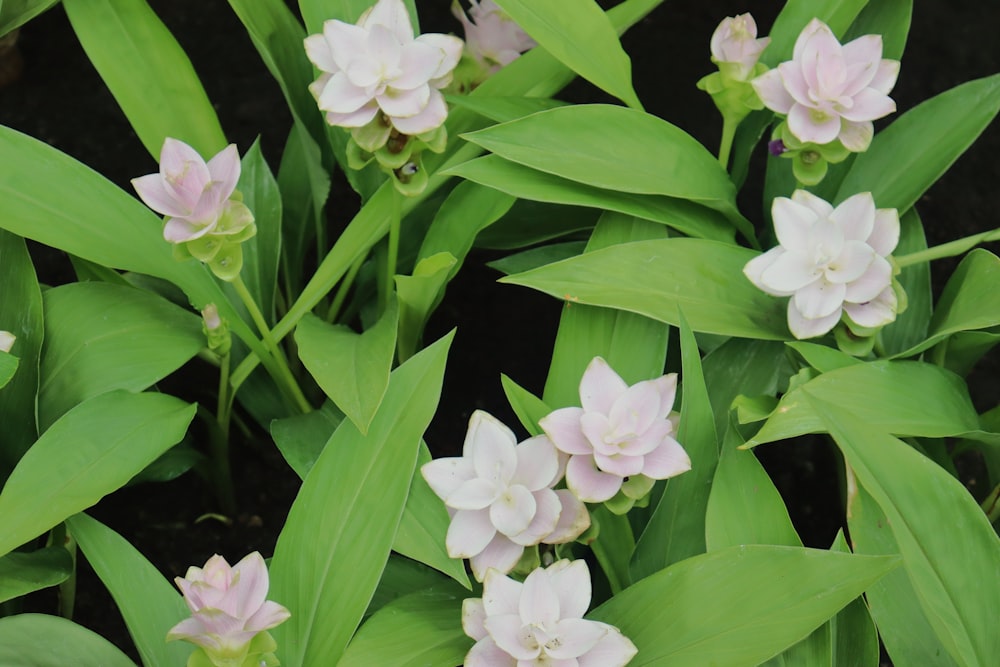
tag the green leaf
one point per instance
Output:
(39, 640)
(301, 438)
(910, 327)
(418, 294)
(15, 13)
(92, 450)
(100, 337)
(150, 605)
(615, 148)
(403, 576)
(907, 398)
(528, 407)
(907, 157)
(23, 573)
(888, 18)
(744, 506)
(821, 357)
(21, 315)
(895, 607)
(930, 512)
(527, 183)
(749, 602)
(352, 369)
(533, 258)
(579, 34)
(658, 279)
(529, 223)
(424, 525)
(613, 547)
(422, 628)
(330, 552)
(677, 528)
(503, 109)
(127, 44)
(261, 252)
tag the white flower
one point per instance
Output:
(501, 498)
(829, 91)
(378, 65)
(620, 432)
(492, 38)
(735, 45)
(7, 340)
(540, 622)
(830, 261)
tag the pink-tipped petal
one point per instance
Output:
(563, 428)
(501, 554)
(588, 483)
(667, 460)
(812, 126)
(771, 89)
(600, 387)
(537, 463)
(544, 521)
(433, 116)
(574, 519)
(152, 192)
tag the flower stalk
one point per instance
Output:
(950, 249)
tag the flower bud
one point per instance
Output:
(735, 47)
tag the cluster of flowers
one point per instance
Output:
(834, 263)
(502, 499)
(384, 84)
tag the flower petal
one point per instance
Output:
(469, 532)
(537, 463)
(571, 583)
(473, 615)
(793, 222)
(346, 43)
(513, 510)
(319, 53)
(391, 14)
(802, 327)
(539, 603)
(513, 636)
(544, 522)
(876, 278)
(856, 136)
(486, 653)
(445, 475)
(856, 216)
(875, 313)
(885, 233)
(501, 594)
(854, 260)
(269, 615)
(869, 104)
(575, 637)
(771, 89)
(600, 387)
(501, 554)
(563, 428)
(341, 95)
(790, 272)
(812, 125)
(667, 460)
(152, 192)
(819, 299)
(251, 589)
(434, 114)
(756, 266)
(490, 446)
(475, 494)
(574, 519)
(588, 483)
(613, 650)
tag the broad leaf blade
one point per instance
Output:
(25, 572)
(38, 640)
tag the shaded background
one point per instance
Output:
(60, 99)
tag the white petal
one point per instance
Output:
(539, 603)
(537, 463)
(885, 234)
(391, 14)
(179, 230)
(620, 465)
(346, 43)
(856, 216)
(469, 533)
(819, 299)
(513, 510)
(563, 428)
(418, 64)
(771, 89)
(486, 653)
(790, 272)
(793, 221)
(513, 636)
(869, 104)
(574, 519)
(803, 328)
(852, 263)
(545, 520)
(433, 116)
(588, 483)
(501, 594)
(571, 583)
(500, 554)
(576, 637)
(871, 283)
(856, 136)
(756, 266)
(600, 387)
(319, 53)
(490, 446)
(885, 77)
(811, 128)
(445, 475)
(614, 650)
(636, 410)
(341, 95)
(667, 460)
(875, 313)
(817, 205)
(473, 615)
(359, 118)
(151, 191)
(250, 592)
(475, 494)
(450, 46)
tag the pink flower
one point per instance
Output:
(378, 65)
(735, 45)
(540, 622)
(500, 496)
(831, 261)
(619, 433)
(194, 195)
(492, 38)
(829, 91)
(228, 606)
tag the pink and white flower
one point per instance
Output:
(492, 38)
(500, 496)
(194, 195)
(831, 91)
(540, 622)
(735, 46)
(619, 433)
(228, 607)
(378, 65)
(831, 261)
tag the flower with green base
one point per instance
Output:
(736, 50)
(810, 161)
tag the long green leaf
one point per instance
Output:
(895, 607)
(21, 315)
(930, 512)
(422, 628)
(888, 18)
(147, 601)
(907, 398)
(616, 149)
(910, 327)
(527, 183)
(580, 35)
(907, 157)
(23, 573)
(148, 73)
(341, 526)
(739, 606)
(352, 369)
(94, 449)
(38, 640)
(100, 337)
(15, 13)
(262, 252)
(677, 528)
(704, 279)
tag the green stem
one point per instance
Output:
(222, 407)
(221, 471)
(284, 374)
(726, 143)
(393, 256)
(950, 249)
(345, 287)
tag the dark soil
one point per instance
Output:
(61, 100)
